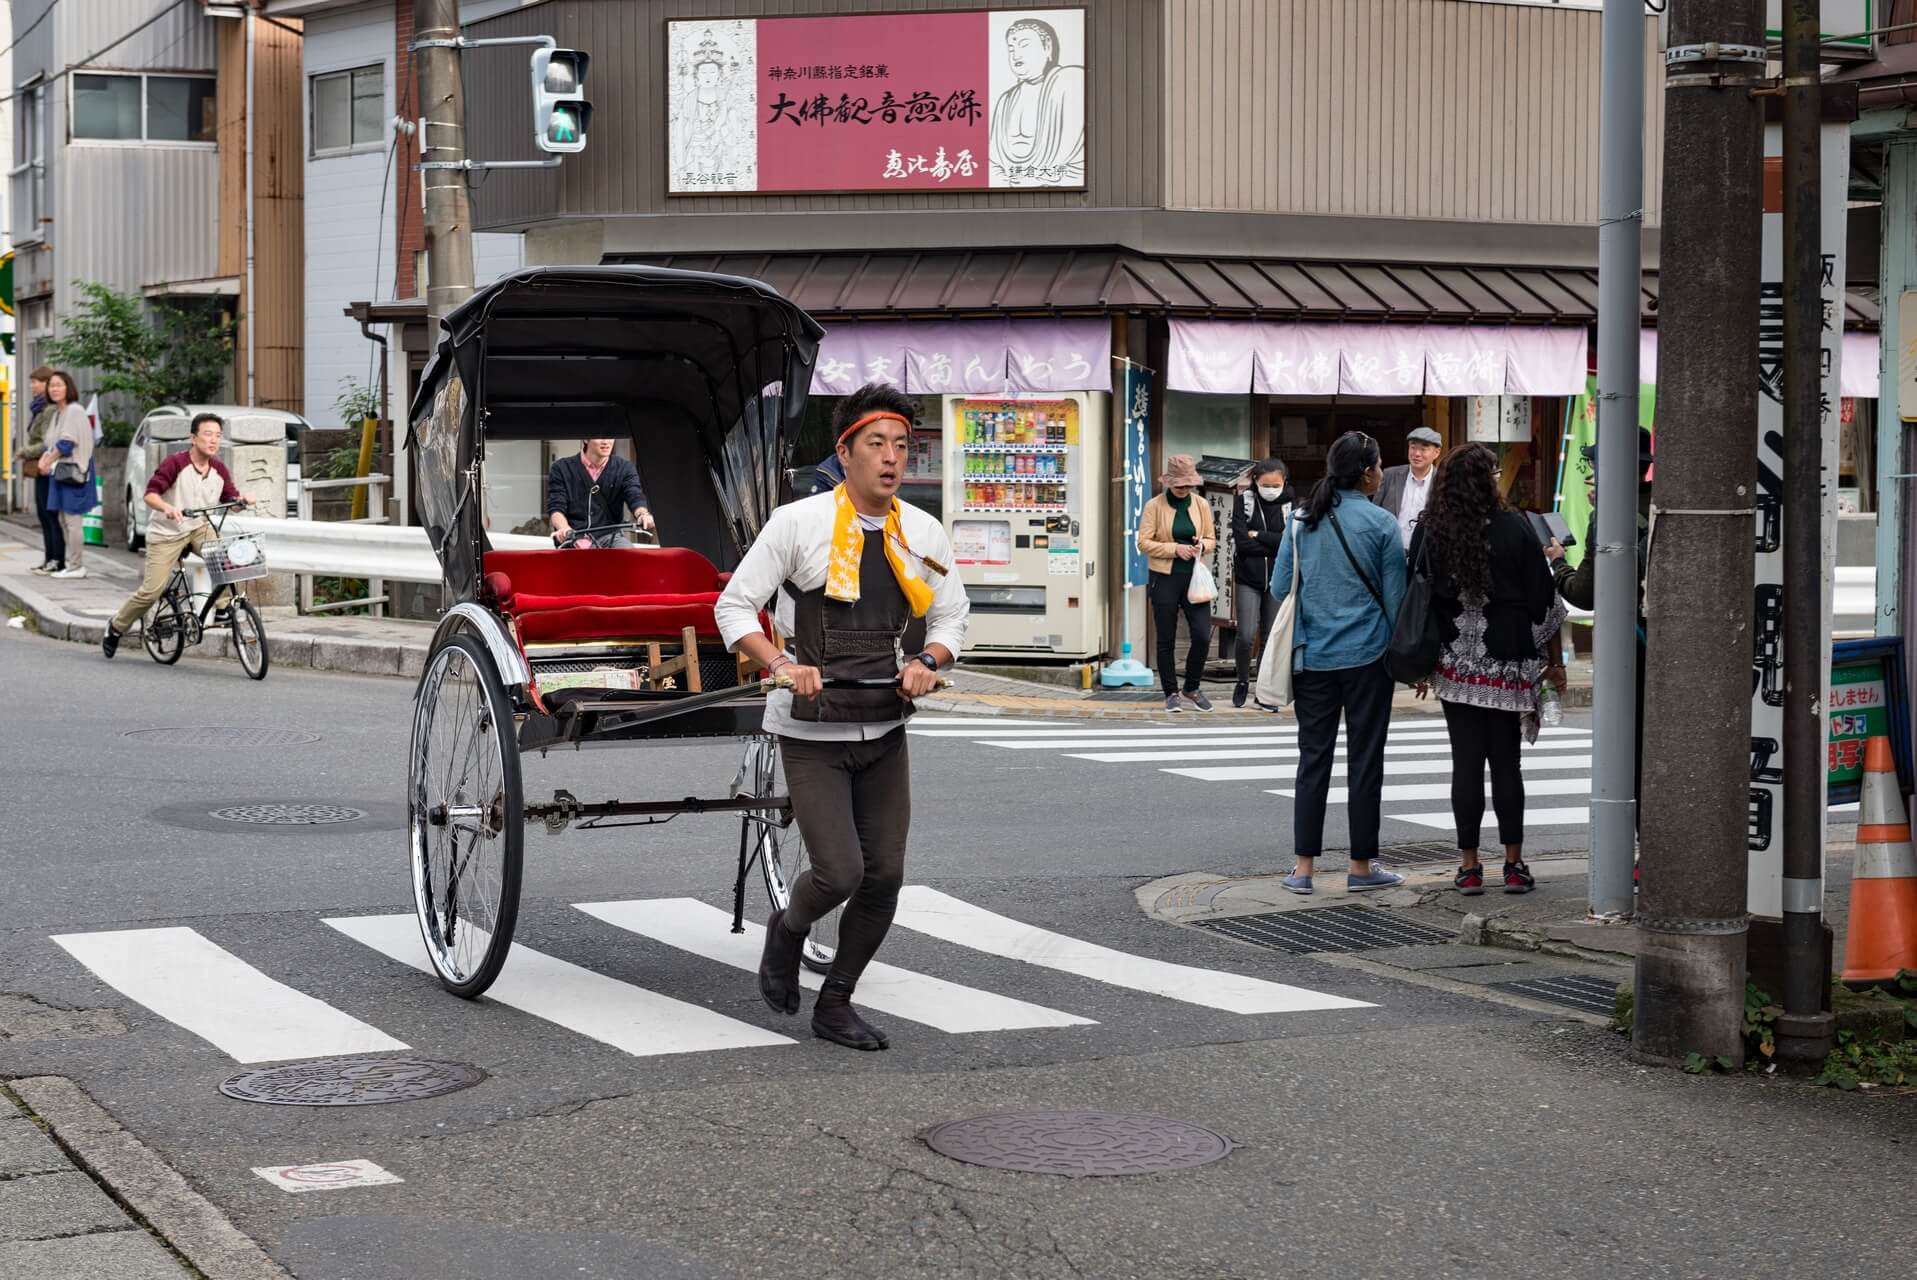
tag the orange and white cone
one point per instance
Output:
(1881, 939)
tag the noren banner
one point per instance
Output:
(973, 100)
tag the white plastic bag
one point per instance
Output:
(1273, 689)
(1203, 588)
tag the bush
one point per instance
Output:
(172, 351)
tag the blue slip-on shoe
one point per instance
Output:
(1377, 878)
(1298, 883)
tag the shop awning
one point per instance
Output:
(966, 357)
(1858, 368)
(1227, 357)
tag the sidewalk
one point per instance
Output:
(77, 610)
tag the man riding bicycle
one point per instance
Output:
(587, 491)
(183, 482)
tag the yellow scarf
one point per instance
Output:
(848, 550)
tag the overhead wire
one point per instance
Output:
(85, 63)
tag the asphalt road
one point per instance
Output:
(1417, 1134)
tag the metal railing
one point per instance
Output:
(375, 498)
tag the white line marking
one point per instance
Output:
(1442, 790)
(1160, 741)
(196, 984)
(1262, 773)
(1423, 727)
(706, 931)
(965, 724)
(1439, 749)
(631, 1019)
(951, 920)
(1532, 818)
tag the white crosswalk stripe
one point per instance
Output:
(1418, 750)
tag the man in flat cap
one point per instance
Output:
(1405, 488)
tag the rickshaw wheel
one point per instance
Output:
(465, 825)
(782, 856)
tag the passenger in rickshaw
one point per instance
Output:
(590, 490)
(872, 614)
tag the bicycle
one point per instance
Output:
(181, 615)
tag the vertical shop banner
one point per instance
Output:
(1768, 603)
(1575, 474)
(1136, 390)
(974, 99)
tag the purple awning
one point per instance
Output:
(1230, 357)
(966, 357)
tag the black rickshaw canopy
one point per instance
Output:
(705, 375)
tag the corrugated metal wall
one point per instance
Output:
(1391, 108)
(623, 169)
(182, 40)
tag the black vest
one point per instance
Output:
(867, 640)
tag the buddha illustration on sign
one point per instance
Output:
(713, 139)
(1038, 123)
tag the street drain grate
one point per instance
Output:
(288, 815)
(351, 1082)
(1326, 929)
(1588, 993)
(1417, 855)
(1078, 1144)
(224, 736)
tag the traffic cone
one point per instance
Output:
(1881, 940)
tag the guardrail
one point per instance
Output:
(356, 549)
(375, 497)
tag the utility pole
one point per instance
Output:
(442, 153)
(1804, 1030)
(1695, 813)
(1620, 282)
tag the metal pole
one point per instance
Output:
(1691, 911)
(1804, 1030)
(442, 139)
(1614, 639)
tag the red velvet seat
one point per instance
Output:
(605, 593)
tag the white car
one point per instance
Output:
(164, 431)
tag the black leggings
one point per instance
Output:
(853, 804)
(53, 538)
(1167, 591)
(1479, 735)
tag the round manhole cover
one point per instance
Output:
(224, 736)
(288, 815)
(1078, 1144)
(351, 1082)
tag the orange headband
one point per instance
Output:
(877, 415)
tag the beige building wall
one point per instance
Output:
(1392, 108)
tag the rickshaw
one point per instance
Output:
(705, 377)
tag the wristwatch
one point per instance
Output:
(930, 662)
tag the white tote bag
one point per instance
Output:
(1273, 689)
(1203, 588)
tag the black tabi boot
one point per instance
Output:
(779, 966)
(834, 1018)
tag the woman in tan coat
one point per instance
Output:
(69, 440)
(1174, 530)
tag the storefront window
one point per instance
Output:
(813, 444)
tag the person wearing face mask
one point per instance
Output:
(1257, 525)
(1174, 532)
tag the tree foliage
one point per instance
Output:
(145, 353)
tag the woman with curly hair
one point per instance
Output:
(1497, 612)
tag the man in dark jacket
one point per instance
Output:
(589, 490)
(1257, 524)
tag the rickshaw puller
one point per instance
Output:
(854, 574)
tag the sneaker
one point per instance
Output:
(1199, 700)
(1377, 878)
(51, 566)
(1298, 883)
(110, 643)
(1239, 693)
(1470, 880)
(1518, 878)
(1174, 703)
(78, 571)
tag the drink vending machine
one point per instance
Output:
(1025, 487)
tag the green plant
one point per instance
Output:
(1760, 1024)
(332, 590)
(178, 350)
(356, 401)
(338, 464)
(1858, 1064)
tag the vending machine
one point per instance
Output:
(1025, 484)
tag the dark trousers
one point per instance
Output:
(1257, 610)
(1479, 736)
(1363, 696)
(52, 537)
(853, 804)
(1167, 592)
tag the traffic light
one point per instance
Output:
(561, 114)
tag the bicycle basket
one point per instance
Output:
(237, 559)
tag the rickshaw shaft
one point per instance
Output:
(641, 808)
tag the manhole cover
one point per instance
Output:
(224, 736)
(351, 1082)
(1078, 1144)
(288, 815)
(1585, 992)
(1326, 929)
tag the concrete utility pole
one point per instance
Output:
(1804, 1031)
(1620, 285)
(1695, 807)
(442, 141)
